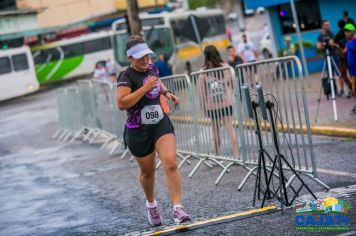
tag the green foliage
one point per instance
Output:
(306, 44)
(193, 4)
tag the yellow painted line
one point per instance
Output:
(217, 219)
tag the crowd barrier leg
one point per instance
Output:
(57, 133)
(225, 169)
(250, 172)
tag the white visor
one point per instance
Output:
(139, 51)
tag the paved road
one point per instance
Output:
(51, 187)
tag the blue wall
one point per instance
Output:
(253, 4)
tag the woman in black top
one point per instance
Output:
(148, 130)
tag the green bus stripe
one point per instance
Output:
(67, 66)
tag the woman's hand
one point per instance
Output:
(150, 83)
(172, 97)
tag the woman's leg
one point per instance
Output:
(228, 122)
(147, 174)
(216, 135)
(166, 149)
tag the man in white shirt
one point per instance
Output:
(247, 50)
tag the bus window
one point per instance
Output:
(20, 62)
(216, 25)
(120, 48)
(73, 50)
(5, 65)
(45, 56)
(177, 29)
(159, 41)
(97, 45)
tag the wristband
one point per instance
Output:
(165, 92)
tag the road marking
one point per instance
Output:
(336, 172)
(216, 220)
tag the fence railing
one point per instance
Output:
(211, 124)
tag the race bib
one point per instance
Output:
(151, 114)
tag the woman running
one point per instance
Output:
(148, 129)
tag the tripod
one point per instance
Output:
(279, 158)
(261, 160)
(330, 65)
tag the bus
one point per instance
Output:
(17, 73)
(73, 57)
(163, 34)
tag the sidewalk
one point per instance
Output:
(326, 125)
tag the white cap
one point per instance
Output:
(139, 50)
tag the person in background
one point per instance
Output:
(247, 50)
(111, 69)
(346, 18)
(326, 37)
(228, 33)
(351, 56)
(164, 69)
(216, 97)
(289, 50)
(100, 72)
(326, 41)
(340, 42)
(188, 67)
(233, 59)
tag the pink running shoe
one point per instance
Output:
(180, 215)
(153, 216)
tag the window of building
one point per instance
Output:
(308, 12)
(5, 65)
(20, 62)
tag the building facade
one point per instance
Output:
(62, 12)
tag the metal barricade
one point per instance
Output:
(68, 111)
(283, 86)
(119, 118)
(206, 118)
(88, 114)
(103, 103)
(182, 116)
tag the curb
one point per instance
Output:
(334, 131)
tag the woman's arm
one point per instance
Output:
(125, 99)
(170, 96)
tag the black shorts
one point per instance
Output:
(219, 113)
(141, 141)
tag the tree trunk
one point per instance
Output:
(132, 16)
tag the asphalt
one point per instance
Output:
(53, 188)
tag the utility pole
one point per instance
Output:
(132, 16)
(299, 37)
(240, 13)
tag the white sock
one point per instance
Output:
(151, 204)
(177, 205)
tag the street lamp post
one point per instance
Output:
(299, 37)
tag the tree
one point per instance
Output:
(132, 16)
